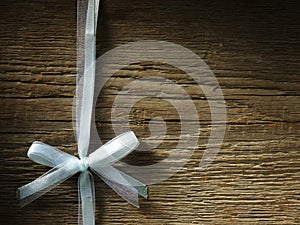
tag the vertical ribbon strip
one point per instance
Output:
(100, 161)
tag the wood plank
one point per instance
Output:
(251, 46)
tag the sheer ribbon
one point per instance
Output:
(100, 161)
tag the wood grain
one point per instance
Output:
(251, 46)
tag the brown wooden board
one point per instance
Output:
(251, 46)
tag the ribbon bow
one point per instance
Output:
(101, 160)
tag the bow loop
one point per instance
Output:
(47, 181)
(47, 155)
(114, 150)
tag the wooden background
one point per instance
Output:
(251, 46)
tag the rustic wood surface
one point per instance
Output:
(251, 46)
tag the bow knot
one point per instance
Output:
(84, 164)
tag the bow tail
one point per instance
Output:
(125, 186)
(35, 189)
(86, 210)
(139, 186)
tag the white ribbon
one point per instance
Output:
(100, 161)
